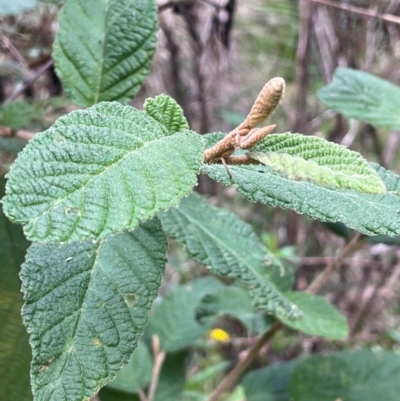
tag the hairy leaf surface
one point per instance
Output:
(368, 213)
(15, 353)
(320, 317)
(363, 96)
(99, 171)
(167, 112)
(217, 238)
(309, 158)
(103, 49)
(86, 305)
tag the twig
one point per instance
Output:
(230, 379)
(228, 382)
(13, 50)
(29, 81)
(360, 10)
(7, 132)
(355, 243)
(142, 395)
(159, 357)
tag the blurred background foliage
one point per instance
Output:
(213, 57)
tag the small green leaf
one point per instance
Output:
(16, 114)
(320, 317)
(99, 171)
(11, 145)
(217, 238)
(103, 50)
(15, 353)
(167, 112)
(174, 319)
(137, 373)
(86, 305)
(270, 383)
(363, 96)
(308, 158)
(368, 213)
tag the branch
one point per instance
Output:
(29, 81)
(360, 10)
(228, 382)
(159, 357)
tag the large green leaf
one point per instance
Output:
(103, 49)
(166, 111)
(320, 317)
(363, 96)
(217, 238)
(15, 353)
(349, 376)
(270, 383)
(86, 305)
(99, 171)
(309, 158)
(368, 213)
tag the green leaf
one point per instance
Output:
(167, 112)
(174, 319)
(16, 114)
(103, 50)
(99, 171)
(308, 158)
(8, 7)
(86, 305)
(218, 239)
(350, 376)
(137, 373)
(320, 317)
(363, 96)
(11, 145)
(270, 383)
(320, 378)
(368, 213)
(172, 378)
(15, 353)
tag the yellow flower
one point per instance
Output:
(220, 335)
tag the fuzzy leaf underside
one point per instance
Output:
(86, 305)
(218, 239)
(99, 171)
(357, 94)
(368, 213)
(103, 49)
(167, 112)
(320, 317)
(308, 158)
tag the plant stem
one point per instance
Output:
(229, 380)
(232, 377)
(355, 243)
(159, 357)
